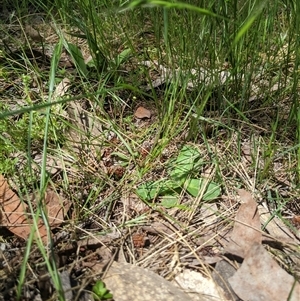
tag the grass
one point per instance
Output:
(252, 42)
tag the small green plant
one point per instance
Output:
(180, 178)
(100, 292)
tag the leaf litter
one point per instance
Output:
(15, 214)
(259, 277)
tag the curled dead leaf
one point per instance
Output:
(142, 112)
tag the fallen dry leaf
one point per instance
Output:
(246, 230)
(260, 278)
(12, 215)
(15, 215)
(142, 112)
(56, 208)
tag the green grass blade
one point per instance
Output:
(257, 10)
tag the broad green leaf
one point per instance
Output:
(169, 201)
(150, 190)
(107, 296)
(185, 164)
(122, 56)
(169, 187)
(99, 288)
(100, 291)
(195, 186)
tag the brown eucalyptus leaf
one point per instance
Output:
(14, 215)
(246, 230)
(260, 278)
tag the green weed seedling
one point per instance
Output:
(180, 178)
(100, 292)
